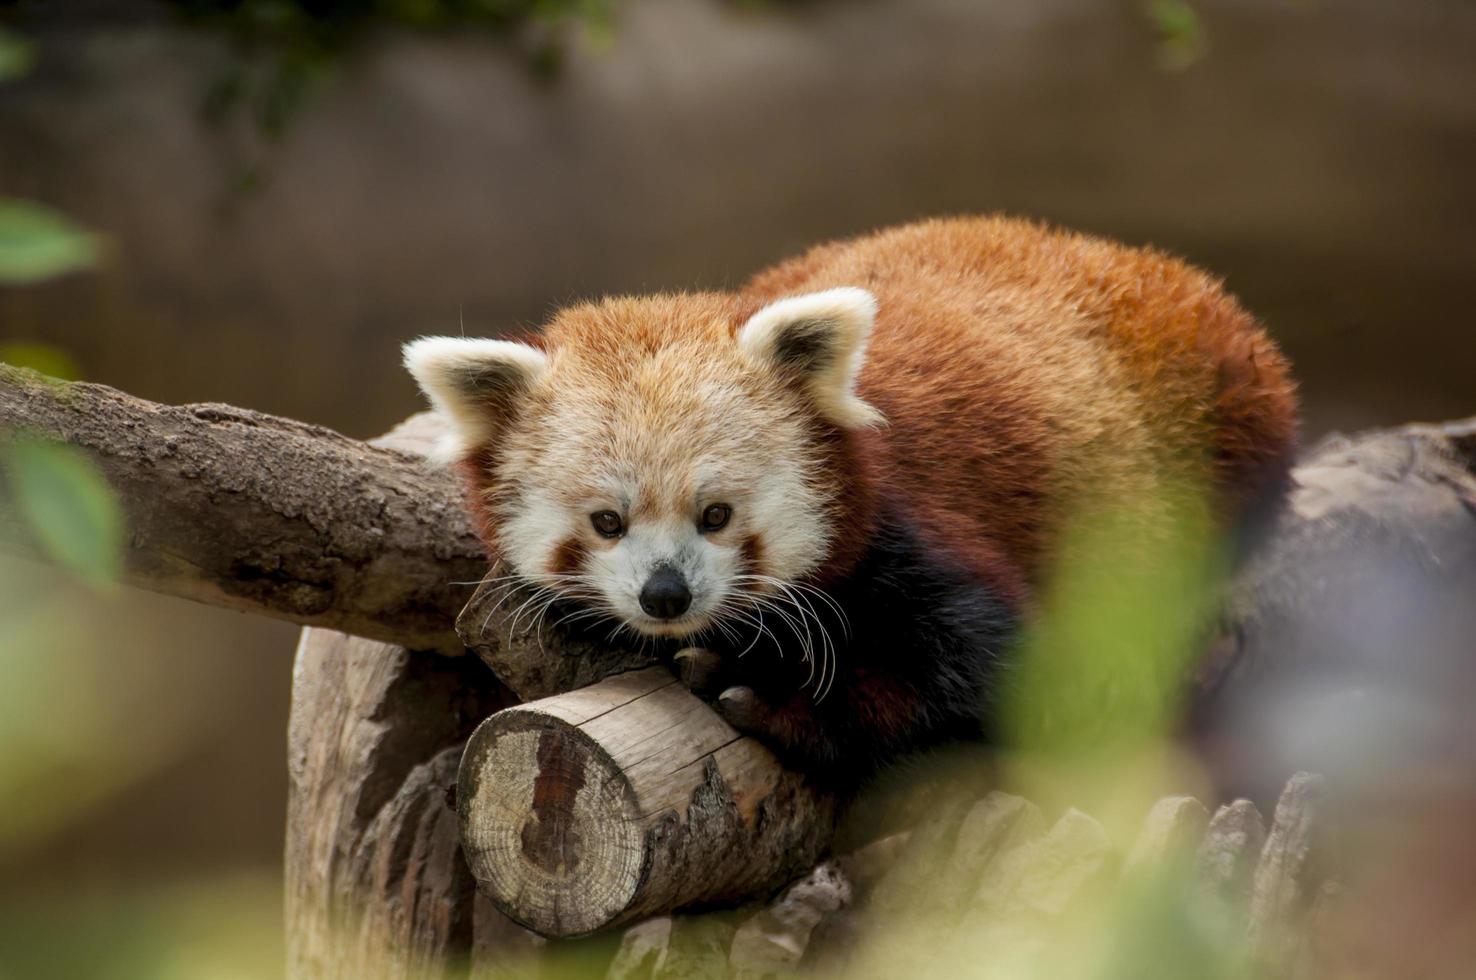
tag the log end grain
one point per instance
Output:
(549, 824)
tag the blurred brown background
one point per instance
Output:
(1317, 155)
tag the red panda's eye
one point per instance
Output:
(607, 523)
(716, 517)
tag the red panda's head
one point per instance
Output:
(661, 459)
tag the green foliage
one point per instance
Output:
(39, 357)
(69, 506)
(1103, 667)
(1165, 924)
(17, 55)
(1181, 36)
(215, 926)
(37, 243)
(289, 47)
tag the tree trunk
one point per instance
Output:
(376, 884)
(626, 799)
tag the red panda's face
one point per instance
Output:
(650, 462)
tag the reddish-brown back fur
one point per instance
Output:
(1026, 371)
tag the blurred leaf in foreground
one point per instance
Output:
(48, 360)
(1103, 671)
(68, 504)
(1181, 36)
(221, 926)
(17, 55)
(1105, 663)
(37, 243)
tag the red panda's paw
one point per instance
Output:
(701, 670)
(746, 711)
(789, 729)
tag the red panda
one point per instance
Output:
(850, 476)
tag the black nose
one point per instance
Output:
(665, 595)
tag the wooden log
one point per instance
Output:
(642, 950)
(376, 883)
(1363, 586)
(774, 940)
(1227, 856)
(626, 799)
(1171, 831)
(528, 653)
(263, 514)
(1297, 862)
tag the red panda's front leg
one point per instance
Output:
(866, 719)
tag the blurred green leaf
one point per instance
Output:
(220, 925)
(49, 361)
(38, 243)
(1105, 666)
(70, 507)
(17, 55)
(1181, 36)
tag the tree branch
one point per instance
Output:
(266, 515)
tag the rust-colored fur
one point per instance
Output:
(1026, 371)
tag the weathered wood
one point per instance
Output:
(263, 514)
(1362, 586)
(629, 798)
(1295, 867)
(993, 827)
(1171, 831)
(527, 652)
(502, 949)
(1046, 877)
(376, 883)
(696, 949)
(1227, 856)
(774, 940)
(642, 950)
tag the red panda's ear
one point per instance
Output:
(820, 340)
(475, 384)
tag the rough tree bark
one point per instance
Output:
(1363, 584)
(500, 624)
(376, 884)
(262, 514)
(375, 881)
(629, 798)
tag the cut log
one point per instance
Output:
(263, 514)
(627, 799)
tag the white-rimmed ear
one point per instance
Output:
(475, 384)
(820, 339)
